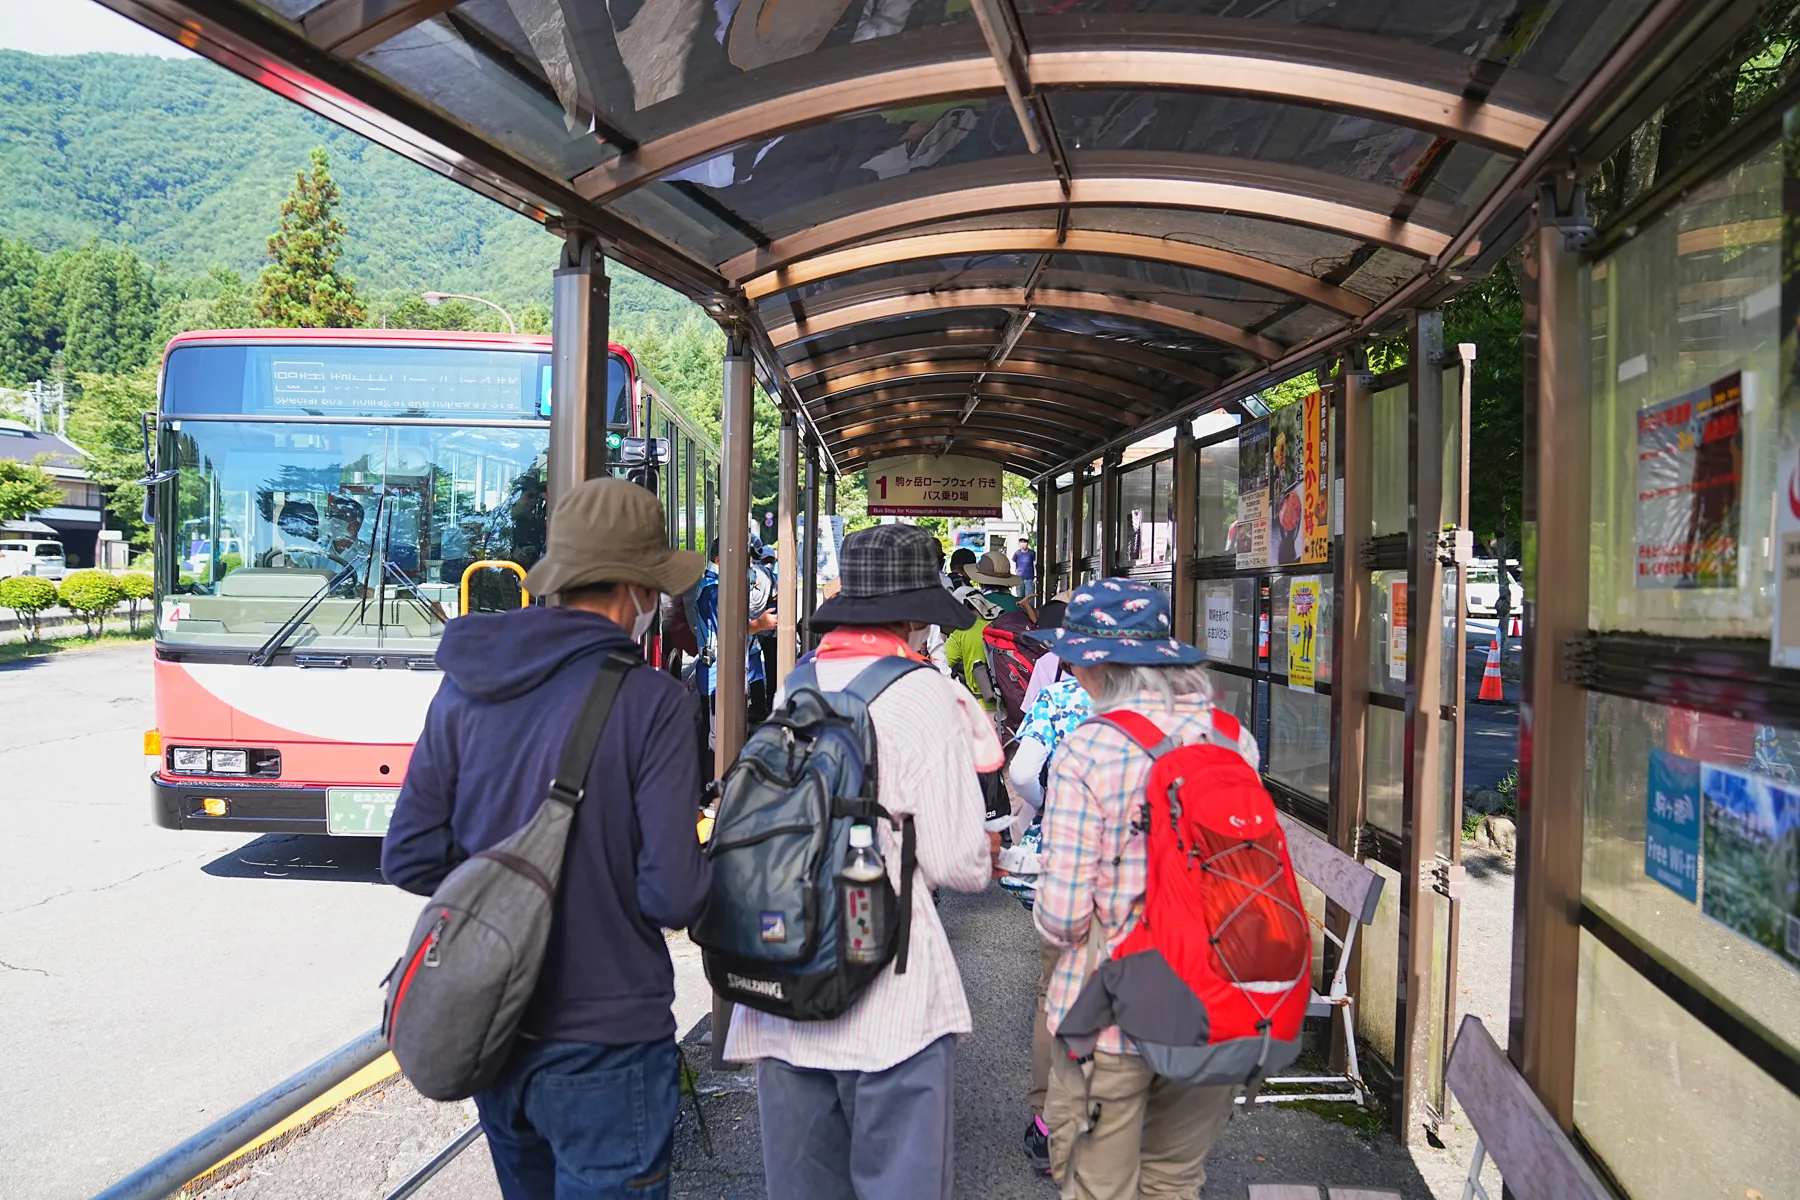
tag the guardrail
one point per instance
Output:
(174, 1168)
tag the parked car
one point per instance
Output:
(32, 556)
(1484, 588)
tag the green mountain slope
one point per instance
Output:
(187, 164)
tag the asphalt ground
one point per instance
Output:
(150, 981)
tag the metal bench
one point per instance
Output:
(1357, 890)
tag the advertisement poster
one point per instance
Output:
(1784, 628)
(1672, 824)
(1396, 646)
(1690, 478)
(1751, 847)
(1253, 496)
(927, 485)
(1303, 628)
(1315, 526)
(1218, 623)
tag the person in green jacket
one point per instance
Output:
(965, 651)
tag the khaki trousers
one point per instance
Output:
(1043, 1046)
(1150, 1138)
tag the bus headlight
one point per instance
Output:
(188, 760)
(230, 762)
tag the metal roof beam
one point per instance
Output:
(1047, 396)
(981, 337)
(1031, 411)
(918, 370)
(1095, 302)
(1127, 179)
(1023, 459)
(352, 28)
(1265, 63)
(1077, 241)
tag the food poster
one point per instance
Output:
(1396, 631)
(1672, 824)
(1302, 631)
(1750, 838)
(1218, 623)
(1690, 471)
(1252, 532)
(1287, 483)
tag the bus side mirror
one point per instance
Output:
(152, 477)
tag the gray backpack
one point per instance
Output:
(455, 997)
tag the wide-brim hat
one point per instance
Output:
(992, 570)
(888, 574)
(1117, 621)
(611, 531)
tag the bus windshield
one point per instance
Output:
(263, 515)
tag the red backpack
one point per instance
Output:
(1010, 660)
(1213, 982)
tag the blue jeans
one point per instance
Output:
(578, 1121)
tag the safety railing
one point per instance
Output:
(172, 1170)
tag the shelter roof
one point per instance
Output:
(1018, 229)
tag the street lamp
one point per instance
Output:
(436, 298)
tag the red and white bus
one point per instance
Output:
(326, 501)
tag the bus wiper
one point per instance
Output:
(265, 654)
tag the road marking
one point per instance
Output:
(381, 1069)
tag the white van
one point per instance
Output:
(31, 556)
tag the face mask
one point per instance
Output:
(640, 624)
(919, 638)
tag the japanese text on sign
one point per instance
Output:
(928, 486)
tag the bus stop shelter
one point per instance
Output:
(1044, 232)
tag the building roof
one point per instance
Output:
(22, 443)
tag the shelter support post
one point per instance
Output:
(733, 532)
(1423, 768)
(831, 482)
(1552, 711)
(1187, 522)
(1109, 514)
(580, 312)
(1078, 547)
(809, 547)
(1353, 451)
(1046, 541)
(787, 560)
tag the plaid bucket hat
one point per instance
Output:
(889, 573)
(1117, 621)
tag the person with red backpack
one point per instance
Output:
(1166, 882)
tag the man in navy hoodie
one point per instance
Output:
(586, 1106)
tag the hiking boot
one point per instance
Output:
(1037, 1145)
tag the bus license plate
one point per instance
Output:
(359, 812)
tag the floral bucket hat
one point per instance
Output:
(1117, 621)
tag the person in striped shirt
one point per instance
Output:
(1151, 1135)
(862, 1105)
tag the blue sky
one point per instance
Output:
(77, 27)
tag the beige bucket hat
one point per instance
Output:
(992, 570)
(611, 531)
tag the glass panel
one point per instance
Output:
(1377, 989)
(1218, 498)
(1384, 768)
(1734, 881)
(1136, 517)
(1691, 303)
(1065, 521)
(1313, 901)
(1450, 385)
(1090, 519)
(1233, 605)
(1313, 251)
(1387, 637)
(1162, 541)
(1278, 624)
(1232, 693)
(1674, 1110)
(1300, 741)
(265, 515)
(1389, 477)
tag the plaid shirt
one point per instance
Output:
(1095, 869)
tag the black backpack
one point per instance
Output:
(455, 997)
(772, 932)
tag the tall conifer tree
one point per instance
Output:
(301, 287)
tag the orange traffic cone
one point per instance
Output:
(1514, 632)
(1490, 678)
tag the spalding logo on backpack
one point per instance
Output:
(1212, 982)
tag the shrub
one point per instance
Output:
(91, 594)
(136, 587)
(28, 596)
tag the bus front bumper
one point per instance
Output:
(252, 808)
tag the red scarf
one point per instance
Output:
(864, 641)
